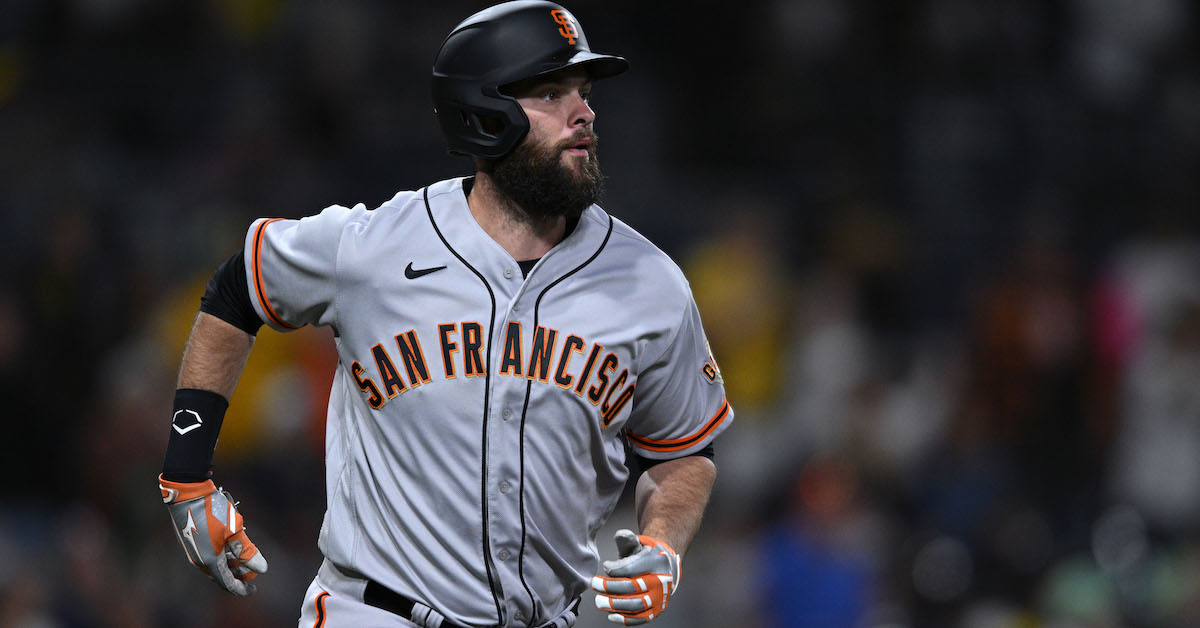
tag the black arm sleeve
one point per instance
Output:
(228, 297)
(644, 464)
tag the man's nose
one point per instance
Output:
(582, 114)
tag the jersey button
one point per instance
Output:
(508, 273)
(518, 616)
(504, 487)
(507, 414)
(503, 554)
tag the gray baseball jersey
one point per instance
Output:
(474, 442)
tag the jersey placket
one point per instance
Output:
(504, 443)
(508, 437)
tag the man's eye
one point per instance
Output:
(551, 95)
(587, 96)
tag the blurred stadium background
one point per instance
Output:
(947, 252)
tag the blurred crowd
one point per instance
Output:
(947, 253)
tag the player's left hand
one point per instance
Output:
(639, 583)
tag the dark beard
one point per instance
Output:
(542, 188)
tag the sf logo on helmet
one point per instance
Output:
(568, 25)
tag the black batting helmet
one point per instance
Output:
(499, 46)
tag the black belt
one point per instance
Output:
(384, 598)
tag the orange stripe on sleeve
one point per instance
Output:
(320, 609)
(676, 444)
(259, 289)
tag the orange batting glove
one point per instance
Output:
(639, 583)
(209, 527)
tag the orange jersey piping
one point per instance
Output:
(259, 290)
(675, 444)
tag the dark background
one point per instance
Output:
(946, 252)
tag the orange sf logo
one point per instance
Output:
(567, 29)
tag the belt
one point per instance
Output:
(384, 598)
(381, 597)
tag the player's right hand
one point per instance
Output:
(209, 527)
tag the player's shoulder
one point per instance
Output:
(652, 265)
(320, 229)
(408, 203)
(403, 206)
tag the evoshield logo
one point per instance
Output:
(183, 416)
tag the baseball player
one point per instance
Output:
(502, 343)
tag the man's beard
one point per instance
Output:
(536, 181)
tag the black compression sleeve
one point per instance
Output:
(645, 463)
(228, 297)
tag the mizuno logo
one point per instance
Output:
(413, 274)
(190, 530)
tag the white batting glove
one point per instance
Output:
(640, 583)
(209, 527)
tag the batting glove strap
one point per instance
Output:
(639, 585)
(173, 492)
(211, 531)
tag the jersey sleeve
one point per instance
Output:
(291, 268)
(680, 405)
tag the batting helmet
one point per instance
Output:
(496, 47)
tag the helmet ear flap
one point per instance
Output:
(488, 124)
(490, 131)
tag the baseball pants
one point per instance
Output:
(335, 600)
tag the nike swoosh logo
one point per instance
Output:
(413, 274)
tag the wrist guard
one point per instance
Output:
(195, 426)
